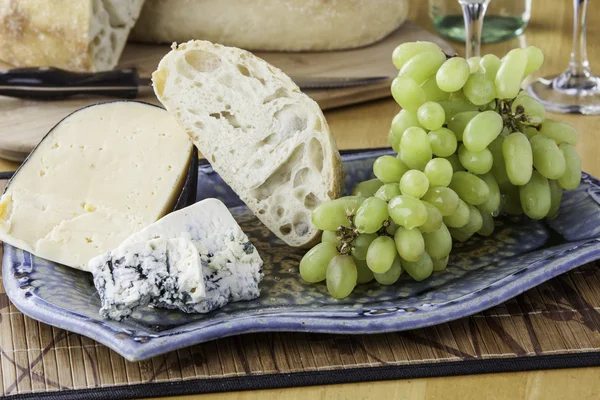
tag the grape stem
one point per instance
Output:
(512, 120)
(348, 234)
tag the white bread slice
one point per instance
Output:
(267, 140)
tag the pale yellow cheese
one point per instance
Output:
(102, 174)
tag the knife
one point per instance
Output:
(47, 83)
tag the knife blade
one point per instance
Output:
(47, 83)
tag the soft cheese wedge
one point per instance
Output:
(155, 267)
(269, 141)
(100, 175)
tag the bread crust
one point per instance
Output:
(275, 25)
(81, 35)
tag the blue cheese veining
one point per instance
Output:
(227, 267)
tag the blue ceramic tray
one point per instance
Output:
(482, 272)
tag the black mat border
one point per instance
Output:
(324, 377)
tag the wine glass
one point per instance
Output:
(576, 90)
(473, 13)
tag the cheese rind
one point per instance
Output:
(101, 174)
(227, 262)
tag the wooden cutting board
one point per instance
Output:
(24, 123)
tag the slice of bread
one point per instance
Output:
(267, 140)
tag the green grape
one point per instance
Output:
(510, 74)
(499, 166)
(489, 65)
(457, 95)
(392, 275)
(341, 276)
(547, 157)
(459, 122)
(460, 218)
(556, 192)
(409, 243)
(482, 130)
(533, 109)
(469, 187)
(455, 162)
(443, 198)
(401, 122)
(518, 158)
(367, 188)
(407, 93)
(438, 244)
(389, 169)
(420, 269)
(370, 215)
(511, 202)
(535, 196)
(331, 237)
(529, 131)
(407, 211)
(474, 64)
(487, 225)
(363, 273)
(422, 66)
(361, 244)
(433, 92)
(434, 219)
(439, 172)
(475, 220)
(453, 74)
(408, 50)
(572, 177)
(415, 150)
(535, 59)
(443, 142)
(455, 106)
(440, 264)
(313, 265)
(414, 183)
(460, 235)
(492, 204)
(330, 215)
(388, 191)
(559, 131)
(477, 162)
(381, 254)
(431, 115)
(479, 89)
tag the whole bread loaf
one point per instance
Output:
(269, 141)
(77, 35)
(279, 25)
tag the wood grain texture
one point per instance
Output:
(557, 317)
(24, 123)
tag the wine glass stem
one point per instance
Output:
(579, 65)
(473, 14)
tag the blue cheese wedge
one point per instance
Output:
(100, 175)
(138, 274)
(227, 268)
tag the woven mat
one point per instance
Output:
(554, 325)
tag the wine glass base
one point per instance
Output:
(568, 93)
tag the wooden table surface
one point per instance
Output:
(366, 126)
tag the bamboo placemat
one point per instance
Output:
(560, 317)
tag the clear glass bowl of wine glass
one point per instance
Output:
(577, 89)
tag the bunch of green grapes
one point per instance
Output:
(471, 145)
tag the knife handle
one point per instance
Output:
(54, 84)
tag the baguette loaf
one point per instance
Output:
(279, 25)
(77, 35)
(268, 141)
